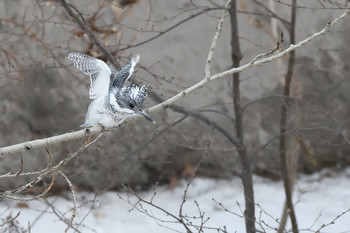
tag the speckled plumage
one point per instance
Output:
(112, 101)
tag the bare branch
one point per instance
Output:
(333, 221)
(169, 29)
(49, 170)
(80, 21)
(74, 201)
(215, 39)
(45, 142)
(60, 215)
(94, 130)
(10, 220)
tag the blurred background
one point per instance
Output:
(43, 95)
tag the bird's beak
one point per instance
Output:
(145, 115)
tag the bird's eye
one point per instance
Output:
(131, 105)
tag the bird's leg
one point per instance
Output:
(103, 128)
(107, 121)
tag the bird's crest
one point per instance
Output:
(138, 94)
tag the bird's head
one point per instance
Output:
(132, 98)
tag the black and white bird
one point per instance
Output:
(112, 101)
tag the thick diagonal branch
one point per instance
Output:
(94, 130)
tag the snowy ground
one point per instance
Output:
(319, 200)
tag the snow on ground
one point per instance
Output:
(319, 199)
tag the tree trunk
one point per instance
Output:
(245, 163)
(283, 126)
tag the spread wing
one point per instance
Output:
(99, 73)
(125, 73)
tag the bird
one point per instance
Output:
(112, 101)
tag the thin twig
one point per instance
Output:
(169, 29)
(10, 220)
(80, 21)
(214, 41)
(333, 221)
(60, 215)
(74, 201)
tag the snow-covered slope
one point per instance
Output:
(319, 199)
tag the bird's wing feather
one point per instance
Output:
(99, 73)
(125, 73)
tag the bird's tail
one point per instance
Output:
(85, 125)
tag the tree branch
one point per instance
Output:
(215, 39)
(169, 29)
(80, 21)
(94, 130)
(46, 172)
